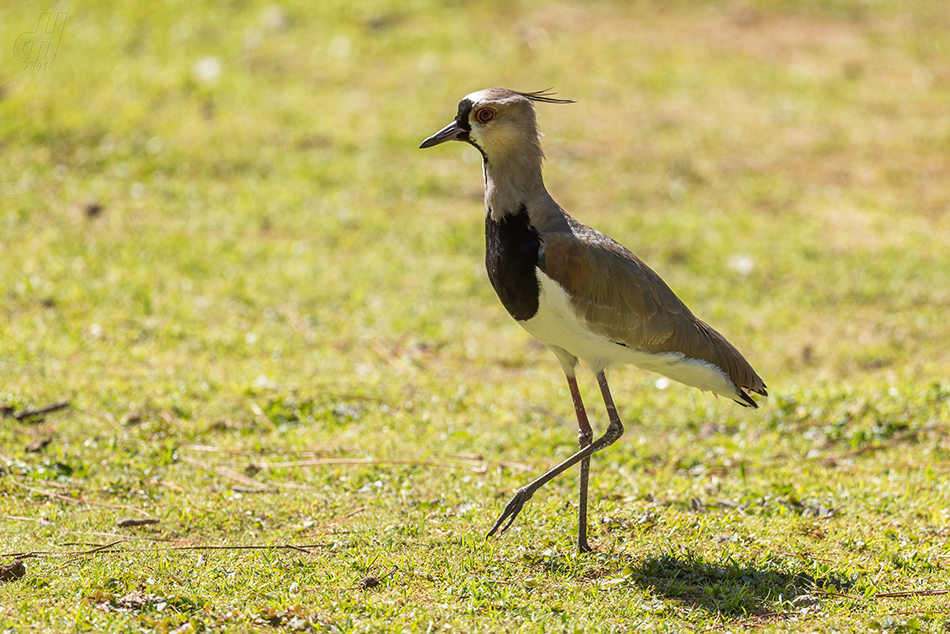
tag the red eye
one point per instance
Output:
(485, 115)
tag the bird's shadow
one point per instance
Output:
(730, 587)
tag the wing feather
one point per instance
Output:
(621, 298)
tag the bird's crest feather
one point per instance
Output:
(544, 96)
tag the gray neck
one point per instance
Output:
(513, 181)
(513, 187)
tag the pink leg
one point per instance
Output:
(584, 437)
(522, 495)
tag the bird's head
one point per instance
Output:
(497, 121)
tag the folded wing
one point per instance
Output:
(621, 298)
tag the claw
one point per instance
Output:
(511, 511)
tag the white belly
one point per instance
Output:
(557, 326)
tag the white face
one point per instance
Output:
(495, 121)
(499, 125)
(482, 120)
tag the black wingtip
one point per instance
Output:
(747, 401)
(746, 393)
(545, 96)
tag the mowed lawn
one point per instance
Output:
(266, 316)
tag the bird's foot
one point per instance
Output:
(511, 511)
(583, 546)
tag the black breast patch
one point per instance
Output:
(511, 255)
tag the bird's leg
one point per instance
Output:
(584, 437)
(609, 402)
(522, 495)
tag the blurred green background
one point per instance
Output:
(216, 230)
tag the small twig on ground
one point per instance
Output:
(910, 593)
(462, 458)
(177, 487)
(54, 484)
(98, 549)
(149, 538)
(41, 520)
(72, 554)
(136, 521)
(227, 472)
(883, 595)
(298, 548)
(912, 612)
(105, 550)
(337, 520)
(835, 593)
(768, 615)
(77, 500)
(356, 461)
(39, 411)
(304, 548)
(316, 451)
(294, 485)
(474, 457)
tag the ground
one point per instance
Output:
(266, 314)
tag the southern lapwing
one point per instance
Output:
(580, 293)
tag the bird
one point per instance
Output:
(579, 292)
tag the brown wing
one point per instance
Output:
(620, 297)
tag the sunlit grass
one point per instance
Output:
(270, 315)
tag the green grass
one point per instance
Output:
(269, 314)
